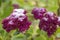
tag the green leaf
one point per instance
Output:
(41, 37)
(19, 37)
(1, 38)
(29, 32)
(7, 9)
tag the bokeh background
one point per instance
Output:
(6, 7)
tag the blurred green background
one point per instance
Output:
(33, 33)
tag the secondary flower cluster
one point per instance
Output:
(38, 12)
(15, 6)
(17, 20)
(48, 20)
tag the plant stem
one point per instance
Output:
(46, 3)
(25, 37)
(59, 3)
(58, 10)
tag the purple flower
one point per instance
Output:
(17, 20)
(48, 23)
(38, 12)
(25, 26)
(51, 30)
(8, 24)
(42, 10)
(52, 17)
(16, 6)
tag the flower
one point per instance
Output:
(48, 23)
(16, 6)
(17, 20)
(38, 12)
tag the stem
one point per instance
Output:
(51, 38)
(46, 3)
(8, 36)
(59, 3)
(35, 24)
(58, 10)
(36, 3)
(25, 37)
(25, 0)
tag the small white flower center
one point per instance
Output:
(45, 18)
(50, 13)
(58, 18)
(10, 22)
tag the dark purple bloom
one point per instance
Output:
(16, 6)
(17, 20)
(52, 17)
(25, 26)
(42, 10)
(38, 12)
(8, 24)
(48, 23)
(51, 30)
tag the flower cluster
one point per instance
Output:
(48, 23)
(15, 6)
(48, 20)
(17, 20)
(38, 12)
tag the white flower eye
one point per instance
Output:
(58, 18)
(15, 10)
(50, 13)
(10, 22)
(18, 10)
(46, 19)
